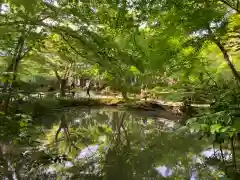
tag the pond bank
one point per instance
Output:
(176, 108)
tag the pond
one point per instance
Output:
(107, 144)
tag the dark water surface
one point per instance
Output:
(107, 144)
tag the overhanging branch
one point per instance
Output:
(231, 5)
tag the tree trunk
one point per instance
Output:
(221, 150)
(63, 83)
(124, 95)
(7, 101)
(233, 6)
(228, 59)
(13, 68)
(233, 154)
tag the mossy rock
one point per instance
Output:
(147, 105)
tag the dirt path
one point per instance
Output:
(82, 94)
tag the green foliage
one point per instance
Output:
(14, 127)
(185, 47)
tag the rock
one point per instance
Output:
(149, 105)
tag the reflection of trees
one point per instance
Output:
(136, 150)
(63, 125)
(118, 154)
(133, 149)
(5, 165)
(128, 148)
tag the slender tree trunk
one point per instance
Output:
(214, 152)
(63, 83)
(233, 154)
(232, 6)
(226, 55)
(16, 59)
(13, 68)
(7, 101)
(228, 59)
(221, 150)
(124, 95)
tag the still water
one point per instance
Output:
(107, 144)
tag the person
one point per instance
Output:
(88, 85)
(73, 89)
(144, 92)
(9, 87)
(50, 89)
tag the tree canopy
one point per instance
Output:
(185, 51)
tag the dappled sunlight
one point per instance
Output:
(50, 135)
(119, 90)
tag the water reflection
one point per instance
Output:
(164, 171)
(107, 144)
(88, 152)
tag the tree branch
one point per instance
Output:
(56, 73)
(230, 5)
(226, 55)
(77, 52)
